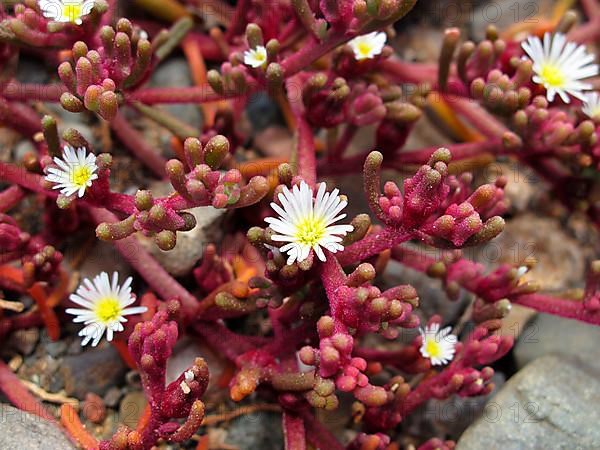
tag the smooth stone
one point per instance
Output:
(550, 404)
(24, 431)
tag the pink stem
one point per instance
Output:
(198, 94)
(310, 53)
(18, 175)
(404, 72)
(306, 154)
(239, 19)
(144, 263)
(569, 309)
(136, 143)
(24, 92)
(333, 277)
(11, 197)
(293, 432)
(591, 8)
(317, 434)
(342, 144)
(390, 357)
(223, 340)
(19, 117)
(459, 151)
(588, 32)
(476, 115)
(372, 245)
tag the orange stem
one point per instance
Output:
(203, 443)
(60, 291)
(12, 273)
(70, 421)
(48, 315)
(261, 166)
(144, 419)
(193, 53)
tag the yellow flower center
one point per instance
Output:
(260, 56)
(433, 348)
(552, 75)
(310, 231)
(81, 175)
(108, 309)
(364, 48)
(73, 11)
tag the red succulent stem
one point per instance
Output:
(19, 117)
(144, 263)
(373, 244)
(136, 143)
(239, 19)
(19, 396)
(197, 94)
(459, 151)
(224, 341)
(333, 277)
(293, 432)
(317, 434)
(476, 115)
(394, 357)
(18, 175)
(24, 92)
(570, 309)
(11, 197)
(306, 156)
(342, 144)
(414, 73)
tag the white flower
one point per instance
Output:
(105, 306)
(368, 46)
(66, 10)
(75, 173)
(255, 57)
(306, 223)
(438, 346)
(560, 65)
(591, 105)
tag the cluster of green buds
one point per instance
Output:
(98, 79)
(197, 182)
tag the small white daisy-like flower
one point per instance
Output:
(560, 65)
(105, 305)
(75, 171)
(368, 46)
(66, 10)
(306, 223)
(591, 105)
(438, 346)
(255, 57)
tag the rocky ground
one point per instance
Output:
(548, 387)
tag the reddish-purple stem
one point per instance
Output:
(293, 432)
(11, 197)
(372, 245)
(24, 92)
(136, 143)
(19, 396)
(144, 263)
(198, 94)
(317, 434)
